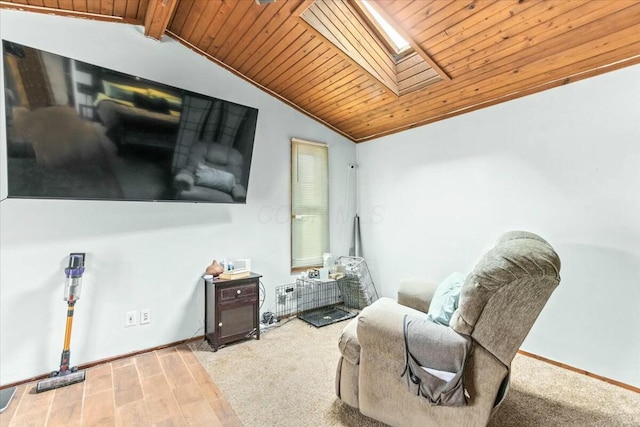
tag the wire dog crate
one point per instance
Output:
(357, 288)
(318, 302)
(322, 302)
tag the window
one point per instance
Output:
(363, 32)
(309, 203)
(398, 43)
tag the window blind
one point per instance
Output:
(309, 203)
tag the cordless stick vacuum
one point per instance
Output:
(66, 375)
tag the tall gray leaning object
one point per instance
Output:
(356, 243)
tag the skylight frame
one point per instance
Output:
(345, 25)
(379, 25)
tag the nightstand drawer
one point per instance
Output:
(233, 293)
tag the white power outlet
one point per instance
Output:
(145, 316)
(130, 318)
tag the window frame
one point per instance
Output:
(381, 33)
(296, 142)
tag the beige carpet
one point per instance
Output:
(287, 379)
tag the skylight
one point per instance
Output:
(358, 36)
(399, 42)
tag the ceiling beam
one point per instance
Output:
(299, 10)
(158, 16)
(60, 12)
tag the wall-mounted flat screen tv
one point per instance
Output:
(80, 131)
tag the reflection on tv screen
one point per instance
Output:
(79, 131)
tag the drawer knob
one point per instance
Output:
(220, 324)
(238, 292)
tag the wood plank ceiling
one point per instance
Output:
(484, 51)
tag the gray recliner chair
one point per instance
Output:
(498, 304)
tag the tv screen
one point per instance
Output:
(80, 131)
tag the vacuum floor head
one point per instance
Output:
(6, 394)
(60, 381)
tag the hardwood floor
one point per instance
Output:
(167, 387)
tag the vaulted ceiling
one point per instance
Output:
(324, 59)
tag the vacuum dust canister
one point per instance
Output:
(74, 273)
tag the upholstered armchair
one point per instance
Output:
(497, 306)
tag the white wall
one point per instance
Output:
(144, 255)
(565, 164)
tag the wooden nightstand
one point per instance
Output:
(231, 310)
